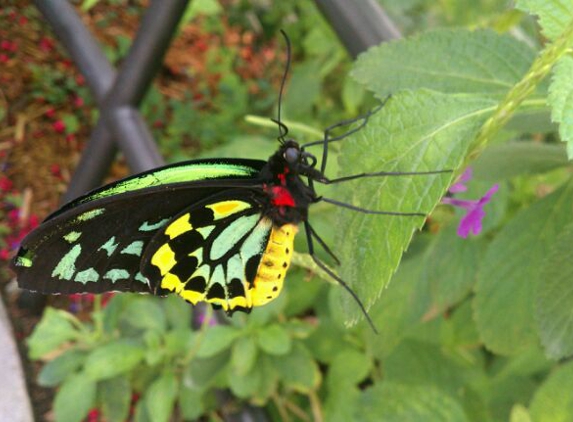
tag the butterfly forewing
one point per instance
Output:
(95, 243)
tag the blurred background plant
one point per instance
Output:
(464, 335)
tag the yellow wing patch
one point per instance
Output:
(226, 208)
(164, 259)
(179, 226)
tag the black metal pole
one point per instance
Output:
(358, 24)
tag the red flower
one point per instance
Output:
(5, 184)
(50, 112)
(46, 44)
(59, 126)
(3, 58)
(78, 101)
(4, 254)
(34, 221)
(56, 171)
(93, 416)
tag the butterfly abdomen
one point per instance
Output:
(274, 264)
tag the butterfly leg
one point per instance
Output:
(327, 270)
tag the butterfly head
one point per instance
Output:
(298, 161)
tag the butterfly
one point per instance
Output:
(218, 230)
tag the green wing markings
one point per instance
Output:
(139, 277)
(24, 259)
(86, 276)
(134, 248)
(150, 227)
(67, 266)
(176, 174)
(116, 275)
(89, 215)
(229, 237)
(109, 246)
(72, 236)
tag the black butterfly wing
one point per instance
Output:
(95, 243)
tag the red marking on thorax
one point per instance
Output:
(282, 197)
(282, 176)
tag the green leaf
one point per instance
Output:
(415, 131)
(553, 401)
(511, 159)
(554, 298)
(115, 398)
(177, 312)
(519, 413)
(268, 384)
(55, 371)
(112, 359)
(345, 371)
(298, 369)
(74, 399)
(450, 61)
(160, 397)
(450, 267)
(53, 331)
(554, 15)
(217, 339)
(247, 385)
(348, 367)
(408, 403)
(114, 310)
(304, 90)
(190, 403)
(561, 100)
(179, 341)
(244, 355)
(274, 339)
(201, 7)
(352, 95)
(145, 313)
(141, 414)
(202, 373)
(72, 123)
(509, 272)
(401, 306)
(154, 352)
(416, 362)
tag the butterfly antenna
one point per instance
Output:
(340, 281)
(283, 130)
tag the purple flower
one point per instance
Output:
(471, 222)
(459, 185)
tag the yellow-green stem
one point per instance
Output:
(537, 72)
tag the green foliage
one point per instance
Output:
(414, 132)
(561, 100)
(554, 298)
(479, 62)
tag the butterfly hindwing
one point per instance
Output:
(218, 251)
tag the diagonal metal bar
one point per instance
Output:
(358, 24)
(118, 95)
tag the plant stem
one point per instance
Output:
(520, 91)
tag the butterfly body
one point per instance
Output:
(219, 231)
